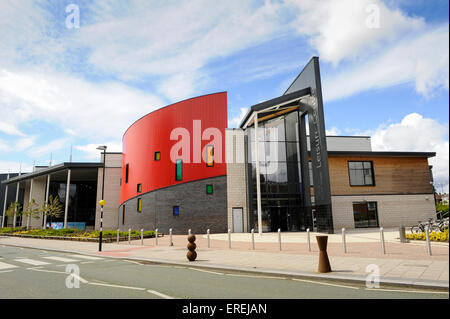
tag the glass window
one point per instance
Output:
(176, 210)
(126, 173)
(361, 173)
(209, 155)
(157, 156)
(209, 189)
(292, 127)
(139, 188)
(365, 214)
(274, 129)
(139, 205)
(123, 215)
(178, 170)
(275, 151)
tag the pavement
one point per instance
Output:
(403, 264)
(28, 273)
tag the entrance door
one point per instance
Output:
(278, 219)
(238, 220)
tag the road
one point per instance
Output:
(33, 273)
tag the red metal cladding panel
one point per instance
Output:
(152, 133)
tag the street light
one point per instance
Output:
(102, 201)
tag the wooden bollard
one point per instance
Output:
(191, 254)
(324, 262)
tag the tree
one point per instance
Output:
(14, 207)
(53, 207)
(31, 209)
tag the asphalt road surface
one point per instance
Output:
(32, 273)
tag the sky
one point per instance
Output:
(77, 74)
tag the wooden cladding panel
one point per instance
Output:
(393, 175)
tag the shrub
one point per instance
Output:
(71, 232)
(434, 236)
(9, 230)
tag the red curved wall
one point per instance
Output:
(151, 133)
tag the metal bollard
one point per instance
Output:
(308, 239)
(118, 236)
(402, 232)
(142, 237)
(189, 231)
(427, 235)
(344, 243)
(279, 238)
(170, 237)
(207, 235)
(156, 237)
(253, 239)
(129, 236)
(229, 238)
(383, 248)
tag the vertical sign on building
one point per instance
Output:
(313, 107)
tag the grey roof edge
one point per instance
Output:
(313, 58)
(380, 153)
(281, 99)
(53, 169)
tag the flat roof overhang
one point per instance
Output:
(59, 168)
(274, 105)
(381, 154)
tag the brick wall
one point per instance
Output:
(198, 211)
(237, 187)
(393, 210)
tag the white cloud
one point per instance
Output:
(10, 129)
(419, 134)
(4, 147)
(235, 121)
(76, 106)
(176, 40)
(14, 167)
(334, 131)
(338, 29)
(422, 59)
(55, 145)
(25, 143)
(91, 152)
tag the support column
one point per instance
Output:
(4, 203)
(17, 199)
(258, 182)
(66, 209)
(29, 201)
(46, 200)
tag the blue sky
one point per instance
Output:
(60, 86)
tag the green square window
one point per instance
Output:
(178, 170)
(209, 189)
(157, 156)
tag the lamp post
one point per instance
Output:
(102, 201)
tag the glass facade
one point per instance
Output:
(82, 201)
(280, 174)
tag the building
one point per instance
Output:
(182, 168)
